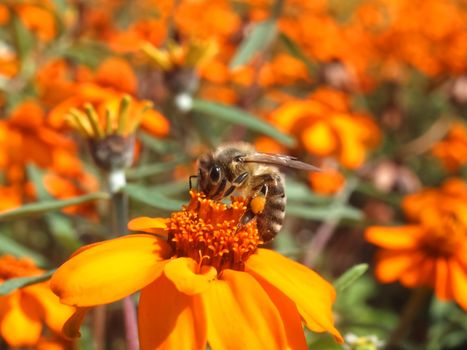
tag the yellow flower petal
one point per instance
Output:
(169, 319)
(110, 271)
(240, 315)
(21, 325)
(183, 273)
(290, 317)
(150, 225)
(310, 292)
(319, 139)
(55, 313)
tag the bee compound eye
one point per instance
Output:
(215, 173)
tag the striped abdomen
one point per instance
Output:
(270, 220)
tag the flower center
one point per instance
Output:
(11, 267)
(444, 239)
(210, 233)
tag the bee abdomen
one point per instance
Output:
(270, 221)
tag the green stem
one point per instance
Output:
(411, 310)
(119, 214)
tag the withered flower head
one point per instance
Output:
(110, 129)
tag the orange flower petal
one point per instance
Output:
(420, 273)
(401, 237)
(240, 314)
(442, 284)
(459, 283)
(392, 264)
(21, 325)
(73, 324)
(155, 123)
(319, 139)
(290, 316)
(127, 264)
(183, 273)
(150, 225)
(312, 294)
(55, 313)
(169, 319)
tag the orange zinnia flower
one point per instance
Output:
(326, 127)
(208, 282)
(432, 251)
(452, 151)
(23, 311)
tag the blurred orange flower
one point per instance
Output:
(208, 279)
(37, 16)
(452, 151)
(11, 197)
(103, 90)
(432, 250)
(326, 127)
(25, 137)
(327, 182)
(23, 312)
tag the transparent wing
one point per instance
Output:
(279, 160)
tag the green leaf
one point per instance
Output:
(39, 208)
(260, 37)
(152, 169)
(59, 224)
(297, 52)
(299, 192)
(153, 143)
(350, 276)
(237, 116)
(10, 246)
(324, 213)
(24, 40)
(36, 176)
(15, 283)
(154, 199)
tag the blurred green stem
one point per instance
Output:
(411, 310)
(119, 213)
(326, 230)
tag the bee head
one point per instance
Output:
(217, 170)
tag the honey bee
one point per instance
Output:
(238, 168)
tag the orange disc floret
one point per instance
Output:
(209, 232)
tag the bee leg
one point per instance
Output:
(238, 181)
(189, 180)
(256, 205)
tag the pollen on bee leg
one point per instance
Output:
(257, 204)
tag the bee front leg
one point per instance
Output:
(237, 182)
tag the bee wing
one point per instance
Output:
(279, 160)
